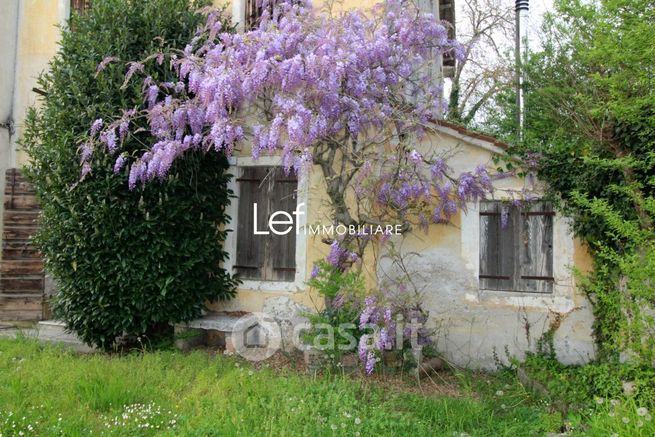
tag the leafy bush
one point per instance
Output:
(584, 387)
(590, 130)
(366, 321)
(125, 261)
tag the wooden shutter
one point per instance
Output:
(265, 257)
(80, 6)
(536, 248)
(283, 254)
(250, 247)
(519, 255)
(447, 13)
(255, 10)
(253, 13)
(497, 254)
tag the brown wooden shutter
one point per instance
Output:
(519, 255)
(251, 248)
(447, 13)
(497, 254)
(80, 6)
(283, 247)
(255, 10)
(536, 248)
(21, 268)
(265, 257)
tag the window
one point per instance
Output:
(516, 247)
(255, 10)
(447, 13)
(80, 6)
(265, 257)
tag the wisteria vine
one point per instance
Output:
(350, 93)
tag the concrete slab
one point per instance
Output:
(212, 321)
(211, 330)
(49, 331)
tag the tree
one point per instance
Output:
(486, 30)
(591, 129)
(124, 261)
(331, 91)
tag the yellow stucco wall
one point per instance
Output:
(473, 325)
(37, 43)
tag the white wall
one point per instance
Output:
(9, 18)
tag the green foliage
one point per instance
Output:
(591, 120)
(343, 293)
(216, 395)
(594, 395)
(331, 282)
(124, 261)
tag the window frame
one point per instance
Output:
(518, 217)
(81, 6)
(239, 14)
(298, 283)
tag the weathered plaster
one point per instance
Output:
(30, 36)
(476, 327)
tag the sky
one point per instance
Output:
(537, 10)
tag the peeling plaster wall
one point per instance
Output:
(475, 327)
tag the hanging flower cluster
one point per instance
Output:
(312, 77)
(425, 190)
(393, 330)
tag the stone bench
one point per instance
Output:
(211, 330)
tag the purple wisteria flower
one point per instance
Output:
(96, 126)
(371, 359)
(504, 216)
(337, 254)
(109, 138)
(362, 348)
(369, 312)
(323, 75)
(86, 151)
(86, 169)
(415, 157)
(118, 165)
(338, 301)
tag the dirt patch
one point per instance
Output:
(442, 383)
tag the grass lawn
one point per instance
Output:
(45, 390)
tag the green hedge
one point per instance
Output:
(126, 262)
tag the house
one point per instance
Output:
(493, 290)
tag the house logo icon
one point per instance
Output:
(256, 336)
